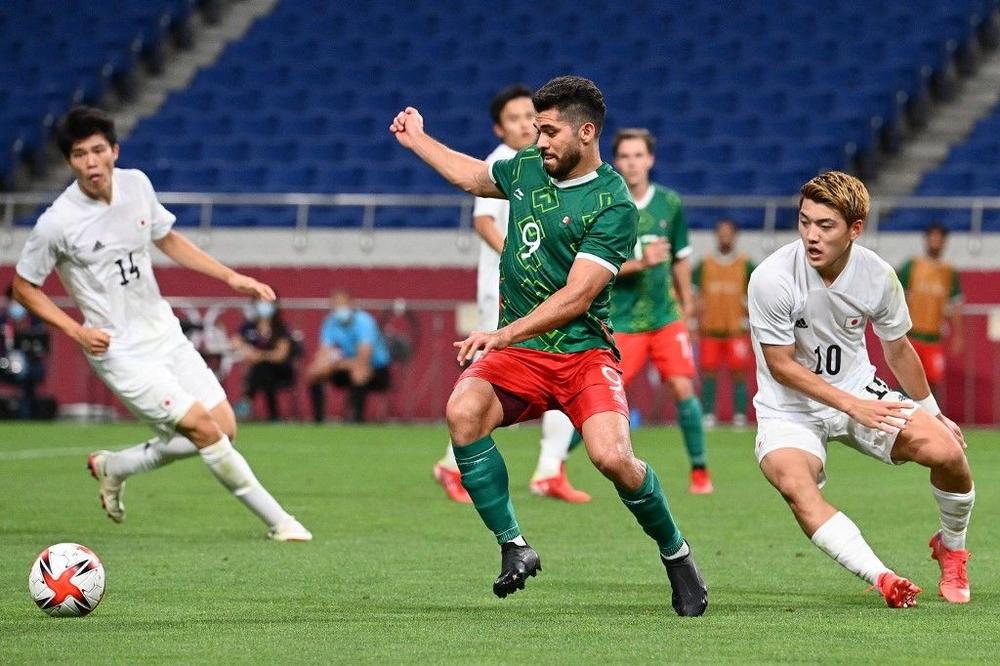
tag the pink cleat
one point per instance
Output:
(954, 585)
(897, 591)
(559, 487)
(701, 482)
(451, 481)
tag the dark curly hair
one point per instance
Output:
(82, 122)
(578, 100)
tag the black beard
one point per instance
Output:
(564, 166)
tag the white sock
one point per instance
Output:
(557, 431)
(956, 509)
(449, 458)
(684, 550)
(841, 539)
(149, 455)
(232, 470)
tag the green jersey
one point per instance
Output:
(645, 301)
(551, 224)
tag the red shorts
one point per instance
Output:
(732, 353)
(669, 348)
(530, 382)
(931, 357)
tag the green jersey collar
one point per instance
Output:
(573, 182)
(644, 200)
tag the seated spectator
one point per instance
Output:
(267, 347)
(24, 345)
(352, 355)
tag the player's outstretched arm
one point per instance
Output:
(187, 254)
(885, 416)
(585, 281)
(902, 359)
(459, 169)
(681, 270)
(92, 340)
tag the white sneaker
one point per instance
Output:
(739, 420)
(289, 530)
(111, 487)
(708, 421)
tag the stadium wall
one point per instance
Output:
(971, 390)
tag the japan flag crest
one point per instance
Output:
(853, 321)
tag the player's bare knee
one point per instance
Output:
(797, 490)
(614, 462)
(465, 415)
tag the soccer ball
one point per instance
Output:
(67, 580)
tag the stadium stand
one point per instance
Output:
(969, 170)
(66, 52)
(303, 101)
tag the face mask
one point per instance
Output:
(16, 311)
(342, 314)
(264, 309)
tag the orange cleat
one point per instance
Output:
(897, 591)
(558, 487)
(451, 481)
(701, 482)
(954, 585)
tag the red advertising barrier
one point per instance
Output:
(970, 392)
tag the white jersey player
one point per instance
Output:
(97, 236)
(809, 303)
(513, 117)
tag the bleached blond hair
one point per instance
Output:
(840, 191)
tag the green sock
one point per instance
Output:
(689, 417)
(484, 475)
(649, 506)
(574, 441)
(708, 385)
(739, 396)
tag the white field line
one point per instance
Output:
(30, 454)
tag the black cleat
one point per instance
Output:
(516, 564)
(690, 596)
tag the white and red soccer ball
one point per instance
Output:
(67, 580)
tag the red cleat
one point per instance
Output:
(558, 487)
(897, 591)
(451, 481)
(701, 482)
(954, 585)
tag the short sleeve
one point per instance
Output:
(612, 237)
(891, 320)
(487, 207)
(904, 273)
(956, 286)
(501, 173)
(41, 252)
(366, 329)
(327, 336)
(770, 303)
(680, 246)
(161, 219)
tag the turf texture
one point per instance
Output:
(398, 574)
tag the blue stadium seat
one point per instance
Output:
(739, 101)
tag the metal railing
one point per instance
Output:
(303, 203)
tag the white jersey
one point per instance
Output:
(790, 304)
(488, 276)
(102, 255)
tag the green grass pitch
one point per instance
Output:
(398, 574)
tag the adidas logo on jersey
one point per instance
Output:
(98, 246)
(801, 323)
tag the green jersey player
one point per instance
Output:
(652, 297)
(571, 226)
